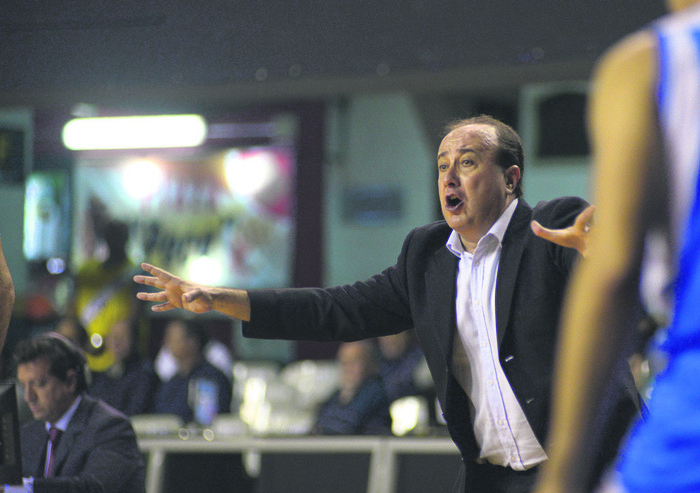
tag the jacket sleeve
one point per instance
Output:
(371, 308)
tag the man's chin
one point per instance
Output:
(38, 415)
(457, 222)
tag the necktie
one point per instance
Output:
(54, 435)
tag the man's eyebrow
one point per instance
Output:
(462, 150)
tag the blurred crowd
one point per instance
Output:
(147, 365)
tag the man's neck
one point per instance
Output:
(186, 365)
(470, 243)
(66, 414)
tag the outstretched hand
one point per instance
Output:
(575, 236)
(175, 291)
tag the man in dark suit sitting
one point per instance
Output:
(94, 448)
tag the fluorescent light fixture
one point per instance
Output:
(134, 132)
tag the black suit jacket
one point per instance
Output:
(420, 291)
(97, 453)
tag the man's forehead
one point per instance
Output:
(38, 365)
(474, 136)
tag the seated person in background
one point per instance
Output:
(360, 406)
(401, 359)
(186, 340)
(130, 383)
(96, 449)
(71, 328)
(215, 353)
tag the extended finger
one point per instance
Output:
(160, 296)
(585, 218)
(191, 295)
(553, 235)
(543, 232)
(149, 281)
(163, 307)
(157, 272)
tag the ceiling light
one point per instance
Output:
(134, 132)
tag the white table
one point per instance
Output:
(383, 451)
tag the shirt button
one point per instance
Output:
(477, 302)
(483, 344)
(500, 422)
(491, 383)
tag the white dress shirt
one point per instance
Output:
(61, 424)
(502, 432)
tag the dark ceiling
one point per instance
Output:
(215, 50)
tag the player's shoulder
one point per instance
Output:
(634, 53)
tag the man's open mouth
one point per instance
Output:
(452, 202)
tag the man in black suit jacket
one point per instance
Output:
(96, 450)
(483, 290)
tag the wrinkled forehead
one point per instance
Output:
(476, 136)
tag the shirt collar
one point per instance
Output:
(497, 230)
(62, 423)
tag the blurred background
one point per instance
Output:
(322, 120)
(353, 94)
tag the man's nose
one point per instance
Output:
(450, 176)
(29, 395)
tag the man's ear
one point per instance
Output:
(512, 177)
(72, 379)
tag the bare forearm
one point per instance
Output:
(232, 302)
(594, 324)
(7, 297)
(628, 179)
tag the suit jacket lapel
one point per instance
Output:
(509, 264)
(442, 280)
(442, 276)
(70, 436)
